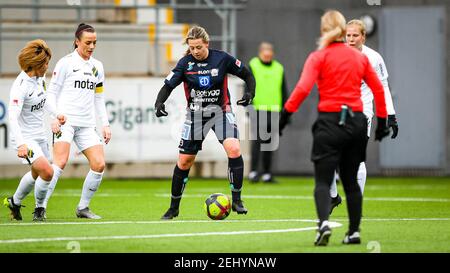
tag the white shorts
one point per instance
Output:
(83, 137)
(39, 148)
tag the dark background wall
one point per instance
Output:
(293, 27)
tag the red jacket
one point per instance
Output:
(338, 70)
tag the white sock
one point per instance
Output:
(362, 176)
(333, 188)
(90, 186)
(324, 223)
(25, 186)
(40, 191)
(51, 187)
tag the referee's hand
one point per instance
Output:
(284, 120)
(160, 109)
(382, 129)
(392, 123)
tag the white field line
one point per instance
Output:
(213, 222)
(169, 235)
(99, 194)
(159, 222)
(300, 197)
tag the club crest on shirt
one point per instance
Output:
(204, 81)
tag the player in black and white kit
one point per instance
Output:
(26, 117)
(356, 37)
(204, 74)
(77, 90)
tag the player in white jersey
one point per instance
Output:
(356, 37)
(26, 117)
(76, 89)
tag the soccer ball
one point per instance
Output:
(217, 206)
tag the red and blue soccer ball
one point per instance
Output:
(217, 206)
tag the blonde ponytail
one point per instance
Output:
(332, 28)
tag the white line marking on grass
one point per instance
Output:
(389, 199)
(99, 194)
(160, 222)
(170, 235)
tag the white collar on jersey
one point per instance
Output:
(34, 79)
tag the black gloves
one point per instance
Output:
(160, 109)
(382, 129)
(246, 99)
(284, 119)
(392, 123)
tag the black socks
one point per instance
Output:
(236, 176)
(179, 180)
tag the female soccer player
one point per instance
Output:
(356, 37)
(204, 74)
(340, 130)
(26, 114)
(77, 83)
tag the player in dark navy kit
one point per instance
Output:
(204, 74)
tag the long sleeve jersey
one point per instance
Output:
(338, 70)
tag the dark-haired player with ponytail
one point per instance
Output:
(204, 74)
(76, 90)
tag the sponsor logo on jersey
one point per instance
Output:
(204, 81)
(76, 70)
(238, 63)
(214, 72)
(38, 106)
(191, 65)
(202, 64)
(29, 95)
(85, 84)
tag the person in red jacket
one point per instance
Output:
(340, 131)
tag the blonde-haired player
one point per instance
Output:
(77, 90)
(26, 117)
(356, 37)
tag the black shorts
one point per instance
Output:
(332, 142)
(197, 125)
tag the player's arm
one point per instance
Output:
(17, 97)
(372, 80)
(383, 76)
(247, 76)
(54, 89)
(100, 106)
(237, 68)
(172, 80)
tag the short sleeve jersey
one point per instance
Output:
(206, 81)
(28, 95)
(75, 82)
